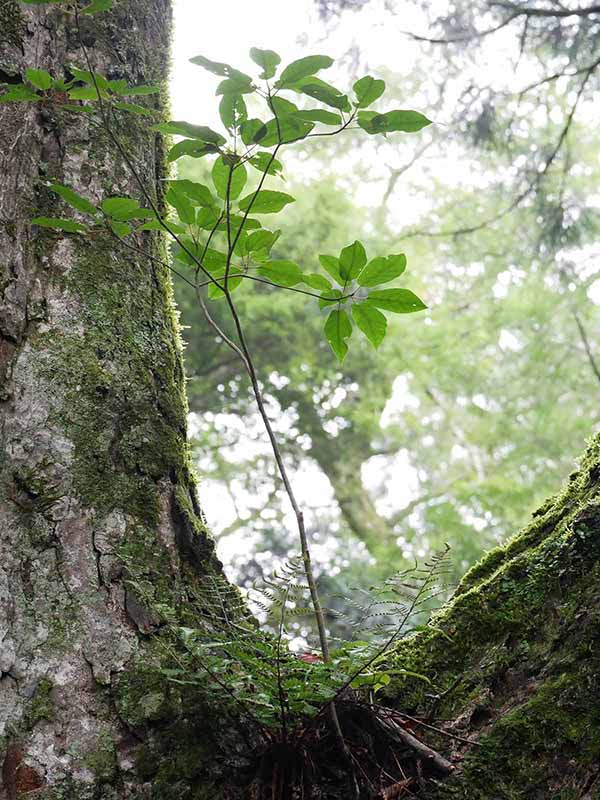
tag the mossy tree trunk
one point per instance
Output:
(94, 473)
(94, 466)
(515, 660)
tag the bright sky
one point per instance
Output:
(226, 30)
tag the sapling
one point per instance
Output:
(220, 244)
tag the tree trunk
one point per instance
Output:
(515, 660)
(94, 476)
(94, 466)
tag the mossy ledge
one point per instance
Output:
(515, 661)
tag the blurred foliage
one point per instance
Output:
(458, 428)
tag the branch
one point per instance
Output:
(586, 345)
(532, 186)
(525, 11)
(467, 37)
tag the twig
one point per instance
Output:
(424, 751)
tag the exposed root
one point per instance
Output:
(386, 760)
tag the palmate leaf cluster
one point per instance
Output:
(221, 241)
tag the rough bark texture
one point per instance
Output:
(94, 465)
(94, 473)
(516, 659)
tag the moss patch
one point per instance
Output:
(521, 666)
(11, 24)
(41, 706)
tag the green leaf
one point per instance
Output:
(267, 59)
(352, 260)
(391, 121)
(133, 108)
(119, 207)
(330, 298)
(283, 272)
(140, 90)
(85, 93)
(232, 284)
(290, 128)
(198, 192)
(302, 68)
(219, 68)
(324, 93)
(200, 132)
(248, 130)
(82, 109)
(91, 78)
(233, 111)
(153, 225)
(39, 78)
(220, 177)
(241, 84)
(118, 86)
(73, 199)
(371, 322)
(216, 67)
(191, 148)
(206, 218)
(338, 328)
(400, 301)
(282, 107)
(18, 94)
(181, 203)
(68, 225)
(236, 222)
(266, 202)
(264, 162)
(367, 90)
(261, 240)
(381, 270)
(213, 260)
(316, 281)
(120, 228)
(97, 5)
(331, 264)
(61, 85)
(320, 115)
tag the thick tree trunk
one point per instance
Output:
(515, 660)
(94, 467)
(94, 475)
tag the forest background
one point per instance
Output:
(472, 413)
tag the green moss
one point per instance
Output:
(11, 24)
(124, 406)
(506, 594)
(103, 761)
(519, 642)
(146, 762)
(552, 739)
(40, 706)
(181, 761)
(555, 510)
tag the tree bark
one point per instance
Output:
(94, 476)
(94, 465)
(515, 661)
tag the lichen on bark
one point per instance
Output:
(94, 462)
